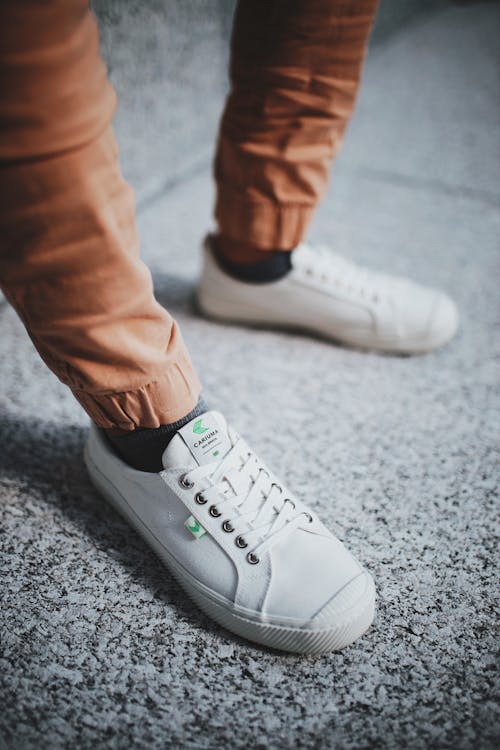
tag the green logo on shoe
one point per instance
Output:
(198, 427)
(195, 527)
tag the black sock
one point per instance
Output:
(274, 265)
(143, 448)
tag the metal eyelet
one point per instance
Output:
(214, 512)
(278, 486)
(287, 500)
(185, 483)
(240, 542)
(252, 559)
(226, 526)
(199, 498)
(309, 517)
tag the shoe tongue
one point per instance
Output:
(203, 440)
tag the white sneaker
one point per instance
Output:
(330, 296)
(251, 555)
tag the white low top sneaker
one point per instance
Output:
(329, 296)
(251, 555)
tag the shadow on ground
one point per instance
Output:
(48, 456)
(175, 293)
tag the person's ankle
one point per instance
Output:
(143, 448)
(249, 263)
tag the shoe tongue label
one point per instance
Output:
(205, 438)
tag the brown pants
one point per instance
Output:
(69, 260)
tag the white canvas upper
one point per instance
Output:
(332, 297)
(244, 547)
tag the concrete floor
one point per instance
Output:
(99, 648)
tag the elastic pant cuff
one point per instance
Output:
(162, 401)
(264, 224)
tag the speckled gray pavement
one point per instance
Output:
(99, 647)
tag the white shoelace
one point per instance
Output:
(244, 495)
(333, 269)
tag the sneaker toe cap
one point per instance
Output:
(444, 318)
(356, 596)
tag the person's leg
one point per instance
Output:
(295, 72)
(69, 260)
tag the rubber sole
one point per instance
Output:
(303, 640)
(409, 347)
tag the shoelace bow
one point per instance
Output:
(322, 263)
(244, 495)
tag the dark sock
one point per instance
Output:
(143, 448)
(276, 265)
(253, 265)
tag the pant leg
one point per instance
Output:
(295, 71)
(69, 260)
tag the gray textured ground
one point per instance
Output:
(99, 648)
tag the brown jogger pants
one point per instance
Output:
(69, 260)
